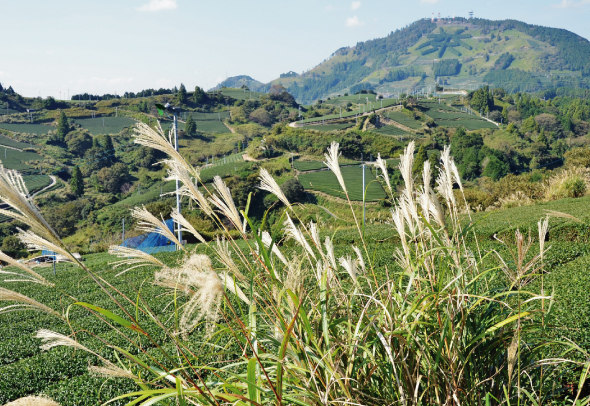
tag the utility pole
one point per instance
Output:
(179, 231)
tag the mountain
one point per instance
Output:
(457, 53)
(242, 80)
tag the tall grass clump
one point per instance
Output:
(443, 323)
(573, 182)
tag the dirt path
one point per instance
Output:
(53, 182)
(230, 128)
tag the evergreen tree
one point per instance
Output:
(421, 157)
(542, 138)
(199, 96)
(181, 96)
(190, 127)
(76, 182)
(109, 150)
(505, 115)
(63, 127)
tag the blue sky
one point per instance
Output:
(50, 47)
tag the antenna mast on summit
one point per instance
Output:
(470, 14)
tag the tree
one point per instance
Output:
(190, 127)
(78, 142)
(293, 190)
(12, 246)
(76, 182)
(199, 96)
(496, 168)
(421, 157)
(109, 150)
(261, 116)
(505, 114)
(63, 127)
(181, 96)
(111, 179)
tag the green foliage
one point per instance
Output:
(446, 67)
(13, 247)
(504, 61)
(181, 95)
(578, 157)
(112, 178)
(293, 190)
(199, 96)
(190, 126)
(63, 127)
(513, 80)
(419, 160)
(78, 142)
(399, 74)
(77, 182)
(481, 100)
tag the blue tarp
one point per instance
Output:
(50, 254)
(152, 242)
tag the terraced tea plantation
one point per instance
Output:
(326, 182)
(222, 115)
(240, 94)
(390, 130)
(105, 125)
(208, 126)
(37, 129)
(9, 142)
(329, 127)
(12, 159)
(303, 166)
(404, 120)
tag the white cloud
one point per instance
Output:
(428, 1)
(571, 3)
(353, 22)
(157, 5)
(355, 5)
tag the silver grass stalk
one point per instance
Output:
(405, 167)
(359, 256)
(231, 285)
(293, 232)
(196, 278)
(150, 223)
(332, 163)
(426, 175)
(543, 227)
(350, 265)
(35, 242)
(398, 221)
(133, 257)
(186, 225)
(268, 183)
(267, 240)
(52, 339)
(110, 371)
(15, 194)
(176, 171)
(225, 203)
(314, 232)
(382, 165)
(156, 139)
(330, 252)
(224, 256)
(23, 303)
(32, 275)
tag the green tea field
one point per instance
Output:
(105, 125)
(37, 129)
(326, 182)
(329, 127)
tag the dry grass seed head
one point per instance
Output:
(332, 163)
(382, 164)
(31, 276)
(110, 371)
(186, 225)
(268, 183)
(24, 303)
(150, 223)
(225, 203)
(133, 257)
(296, 234)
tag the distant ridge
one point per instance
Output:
(413, 59)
